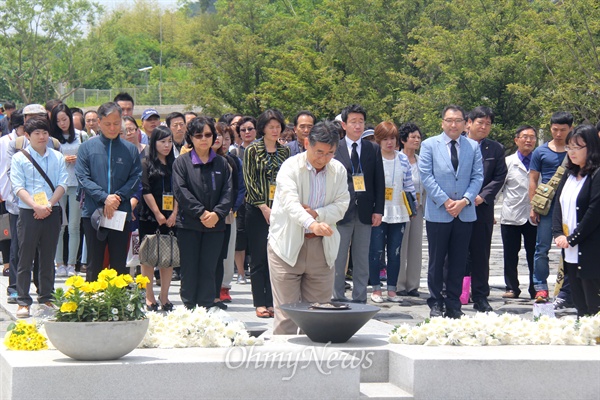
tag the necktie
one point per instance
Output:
(454, 155)
(355, 163)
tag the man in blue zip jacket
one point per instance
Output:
(108, 169)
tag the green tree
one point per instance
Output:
(38, 54)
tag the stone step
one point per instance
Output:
(382, 391)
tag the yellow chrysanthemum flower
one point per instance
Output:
(119, 282)
(86, 288)
(75, 281)
(142, 281)
(68, 307)
(107, 275)
(127, 278)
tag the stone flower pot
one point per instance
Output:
(96, 341)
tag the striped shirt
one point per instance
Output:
(260, 170)
(316, 194)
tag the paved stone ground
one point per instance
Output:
(412, 310)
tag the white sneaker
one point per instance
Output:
(376, 298)
(395, 299)
(71, 270)
(241, 280)
(61, 271)
(23, 312)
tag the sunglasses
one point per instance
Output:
(203, 135)
(247, 129)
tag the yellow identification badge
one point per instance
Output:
(272, 188)
(418, 198)
(565, 229)
(40, 199)
(167, 202)
(359, 183)
(389, 193)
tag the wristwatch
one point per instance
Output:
(468, 201)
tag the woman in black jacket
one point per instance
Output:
(158, 211)
(202, 188)
(576, 218)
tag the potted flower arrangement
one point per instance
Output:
(101, 320)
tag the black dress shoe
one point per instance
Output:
(454, 314)
(175, 276)
(482, 305)
(436, 311)
(341, 300)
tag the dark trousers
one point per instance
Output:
(117, 242)
(585, 292)
(257, 231)
(37, 236)
(478, 260)
(220, 268)
(511, 241)
(449, 239)
(14, 255)
(565, 290)
(198, 266)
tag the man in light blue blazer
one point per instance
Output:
(452, 173)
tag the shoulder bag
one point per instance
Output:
(160, 251)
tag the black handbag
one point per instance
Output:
(5, 227)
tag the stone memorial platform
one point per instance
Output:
(366, 367)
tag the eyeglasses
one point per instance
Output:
(528, 137)
(574, 148)
(247, 129)
(483, 123)
(131, 130)
(453, 121)
(203, 135)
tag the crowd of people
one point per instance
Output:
(303, 206)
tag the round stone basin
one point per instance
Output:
(330, 325)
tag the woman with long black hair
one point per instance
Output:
(158, 209)
(62, 129)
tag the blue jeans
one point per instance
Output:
(74, 219)
(541, 267)
(385, 236)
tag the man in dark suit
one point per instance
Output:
(366, 183)
(479, 126)
(452, 173)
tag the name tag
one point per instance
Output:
(40, 199)
(167, 202)
(389, 193)
(418, 198)
(359, 182)
(272, 188)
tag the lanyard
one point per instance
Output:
(394, 173)
(109, 151)
(270, 162)
(163, 184)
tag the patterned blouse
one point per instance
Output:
(260, 171)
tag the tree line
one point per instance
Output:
(401, 59)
